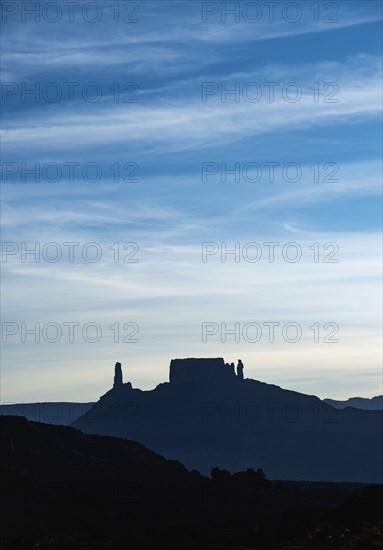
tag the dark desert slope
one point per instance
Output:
(65, 490)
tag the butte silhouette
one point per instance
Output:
(208, 415)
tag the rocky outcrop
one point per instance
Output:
(240, 368)
(117, 376)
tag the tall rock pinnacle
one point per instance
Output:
(240, 368)
(117, 376)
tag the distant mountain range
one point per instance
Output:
(49, 413)
(373, 404)
(208, 415)
(63, 489)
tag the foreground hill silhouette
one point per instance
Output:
(208, 415)
(65, 490)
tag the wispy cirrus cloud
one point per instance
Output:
(171, 211)
(195, 124)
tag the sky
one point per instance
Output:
(156, 138)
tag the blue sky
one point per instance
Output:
(168, 133)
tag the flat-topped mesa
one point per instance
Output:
(201, 371)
